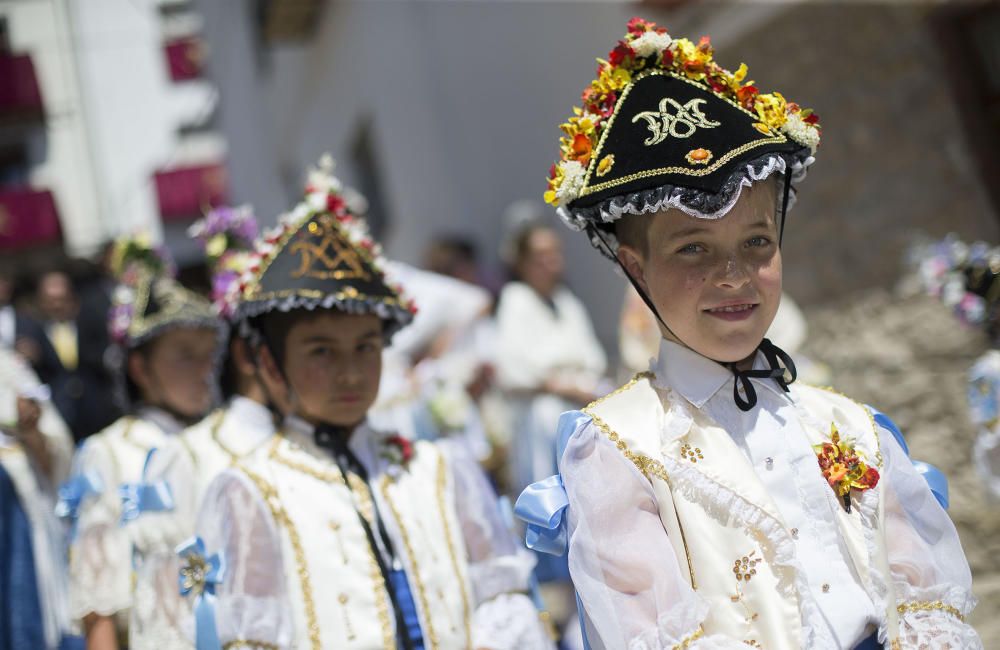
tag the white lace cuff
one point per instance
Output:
(935, 626)
(509, 622)
(501, 574)
(680, 629)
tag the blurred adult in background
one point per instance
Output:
(13, 324)
(35, 452)
(66, 346)
(549, 358)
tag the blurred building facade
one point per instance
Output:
(105, 123)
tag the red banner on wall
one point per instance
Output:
(187, 192)
(28, 218)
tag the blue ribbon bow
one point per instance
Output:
(74, 491)
(542, 506)
(143, 496)
(200, 575)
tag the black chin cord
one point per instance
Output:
(782, 370)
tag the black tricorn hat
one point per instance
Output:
(664, 126)
(320, 257)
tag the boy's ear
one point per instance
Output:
(634, 264)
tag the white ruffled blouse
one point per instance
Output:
(632, 602)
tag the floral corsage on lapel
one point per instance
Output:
(844, 467)
(398, 451)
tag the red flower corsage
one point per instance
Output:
(397, 450)
(844, 467)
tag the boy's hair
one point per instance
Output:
(633, 230)
(274, 327)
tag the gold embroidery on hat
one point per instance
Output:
(683, 123)
(333, 257)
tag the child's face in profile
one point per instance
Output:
(333, 362)
(716, 283)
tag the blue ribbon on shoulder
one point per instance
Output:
(200, 575)
(542, 506)
(936, 480)
(74, 491)
(144, 496)
(72, 494)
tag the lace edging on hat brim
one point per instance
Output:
(395, 317)
(696, 203)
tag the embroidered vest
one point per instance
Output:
(338, 596)
(706, 489)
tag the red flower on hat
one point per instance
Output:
(621, 52)
(334, 203)
(636, 26)
(745, 96)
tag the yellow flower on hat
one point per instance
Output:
(771, 109)
(611, 79)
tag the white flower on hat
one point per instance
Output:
(574, 175)
(800, 131)
(649, 43)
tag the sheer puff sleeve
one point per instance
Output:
(930, 574)
(252, 601)
(100, 555)
(499, 568)
(623, 565)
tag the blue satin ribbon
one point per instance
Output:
(200, 575)
(936, 480)
(542, 506)
(143, 496)
(74, 491)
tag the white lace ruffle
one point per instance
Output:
(775, 542)
(509, 622)
(681, 627)
(501, 574)
(696, 203)
(936, 630)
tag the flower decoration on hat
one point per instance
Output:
(146, 302)
(227, 235)
(321, 255)
(844, 467)
(663, 112)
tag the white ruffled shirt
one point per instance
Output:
(642, 604)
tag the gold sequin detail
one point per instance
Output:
(442, 479)
(421, 594)
(343, 600)
(646, 465)
(690, 453)
(746, 567)
(929, 606)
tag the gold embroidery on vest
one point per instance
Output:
(688, 640)
(343, 599)
(250, 644)
(418, 582)
(381, 595)
(646, 465)
(271, 497)
(745, 568)
(442, 480)
(690, 453)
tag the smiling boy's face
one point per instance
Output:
(716, 283)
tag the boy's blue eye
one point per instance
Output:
(758, 241)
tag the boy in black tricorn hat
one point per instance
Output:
(713, 502)
(339, 535)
